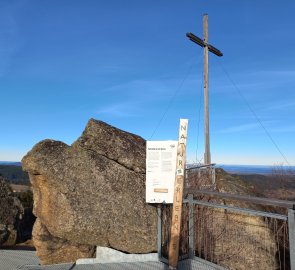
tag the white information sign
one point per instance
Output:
(160, 171)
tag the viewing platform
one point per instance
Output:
(27, 260)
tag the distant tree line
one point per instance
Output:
(14, 174)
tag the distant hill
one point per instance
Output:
(255, 169)
(16, 163)
(280, 186)
(14, 174)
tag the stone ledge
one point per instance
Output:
(109, 255)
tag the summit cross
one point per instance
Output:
(207, 47)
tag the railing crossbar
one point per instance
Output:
(238, 209)
(244, 198)
(200, 167)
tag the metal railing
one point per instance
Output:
(233, 231)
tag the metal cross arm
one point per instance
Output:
(201, 42)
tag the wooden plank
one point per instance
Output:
(178, 195)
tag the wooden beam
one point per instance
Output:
(178, 196)
(207, 48)
(201, 42)
(207, 155)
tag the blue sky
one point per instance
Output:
(130, 64)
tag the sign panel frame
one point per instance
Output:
(160, 171)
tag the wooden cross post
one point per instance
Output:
(207, 47)
(178, 193)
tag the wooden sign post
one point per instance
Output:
(178, 193)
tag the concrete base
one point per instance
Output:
(109, 255)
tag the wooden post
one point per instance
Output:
(178, 194)
(207, 48)
(207, 155)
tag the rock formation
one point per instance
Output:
(11, 211)
(90, 193)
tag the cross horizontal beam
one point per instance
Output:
(201, 42)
